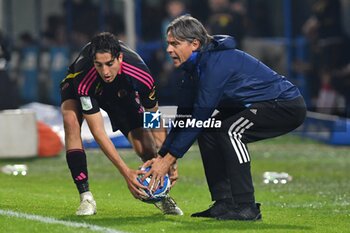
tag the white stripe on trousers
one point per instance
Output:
(235, 133)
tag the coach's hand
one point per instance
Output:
(160, 167)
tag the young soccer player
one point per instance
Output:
(109, 75)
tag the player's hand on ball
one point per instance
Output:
(159, 193)
(134, 186)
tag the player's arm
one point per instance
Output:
(143, 82)
(148, 99)
(138, 72)
(159, 134)
(96, 126)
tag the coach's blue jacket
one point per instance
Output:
(219, 76)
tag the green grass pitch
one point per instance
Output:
(316, 200)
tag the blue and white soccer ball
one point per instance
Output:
(160, 193)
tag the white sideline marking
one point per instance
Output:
(56, 221)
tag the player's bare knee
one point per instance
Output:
(71, 123)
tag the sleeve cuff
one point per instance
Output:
(176, 153)
(162, 152)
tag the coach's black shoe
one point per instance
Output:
(246, 212)
(219, 208)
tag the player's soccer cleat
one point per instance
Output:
(87, 205)
(219, 207)
(168, 206)
(246, 212)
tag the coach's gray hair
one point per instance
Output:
(187, 28)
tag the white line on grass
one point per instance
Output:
(50, 220)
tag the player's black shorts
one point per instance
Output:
(67, 90)
(125, 115)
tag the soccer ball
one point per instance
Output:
(157, 195)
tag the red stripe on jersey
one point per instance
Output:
(138, 71)
(85, 82)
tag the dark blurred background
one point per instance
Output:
(305, 40)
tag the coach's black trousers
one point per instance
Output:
(224, 151)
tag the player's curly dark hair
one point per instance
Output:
(104, 42)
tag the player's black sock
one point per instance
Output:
(77, 164)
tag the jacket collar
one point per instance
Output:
(190, 64)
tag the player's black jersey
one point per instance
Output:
(133, 81)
